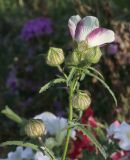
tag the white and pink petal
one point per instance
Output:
(100, 36)
(72, 23)
(84, 27)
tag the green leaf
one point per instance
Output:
(82, 76)
(96, 71)
(12, 115)
(71, 75)
(20, 143)
(92, 138)
(104, 84)
(51, 83)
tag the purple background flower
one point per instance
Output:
(12, 81)
(112, 48)
(36, 27)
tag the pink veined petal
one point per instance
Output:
(72, 23)
(100, 36)
(84, 27)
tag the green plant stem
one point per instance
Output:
(61, 70)
(45, 149)
(69, 119)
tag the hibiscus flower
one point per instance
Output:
(88, 29)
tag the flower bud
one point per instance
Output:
(73, 59)
(35, 128)
(93, 55)
(50, 143)
(76, 58)
(81, 100)
(82, 46)
(55, 56)
(83, 55)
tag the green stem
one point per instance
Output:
(46, 150)
(69, 119)
(61, 70)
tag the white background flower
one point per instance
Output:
(41, 156)
(55, 125)
(112, 129)
(26, 154)
(20, 154)
(122, 133)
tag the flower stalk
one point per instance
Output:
(71, 90)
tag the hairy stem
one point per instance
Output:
(69, 119)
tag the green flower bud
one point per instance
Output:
(55, 56)
(35, 128)
(82, 46)
(50, 143)
(82, 55)
(76, 58)
(73, 59)
(81, 100)
(93, 55)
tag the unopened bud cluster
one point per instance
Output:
(35, 128)
(81, 100)
(83, 55)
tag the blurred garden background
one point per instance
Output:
(28, 28)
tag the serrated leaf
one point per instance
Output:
(92, 138)
(104, 84)
(51, 83)
(20, 143)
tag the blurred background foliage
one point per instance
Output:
(22, 58)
